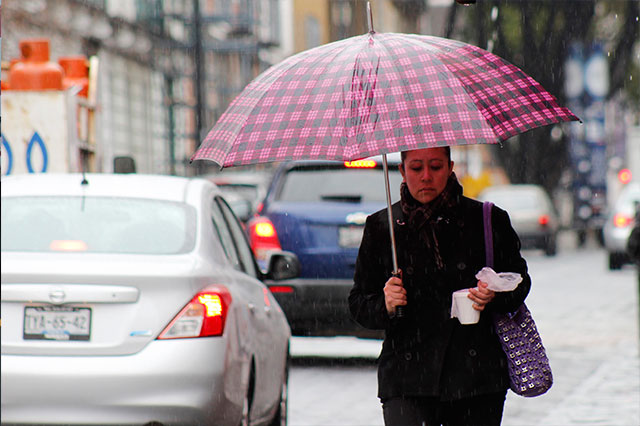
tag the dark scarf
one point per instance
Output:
(422, 217)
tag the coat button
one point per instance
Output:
(409, 270)
(472, 352)
(407, 356)
(462, 266)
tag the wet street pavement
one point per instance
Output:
(587, 315)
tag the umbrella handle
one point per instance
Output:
(394, 255)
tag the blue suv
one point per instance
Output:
(317, 210)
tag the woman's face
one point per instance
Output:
(425, 172)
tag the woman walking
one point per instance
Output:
(433, 370)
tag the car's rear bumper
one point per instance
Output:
(615, 239)
(171, 382)
(319, 307)
(533, 240)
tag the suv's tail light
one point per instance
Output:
(204, 315)
(263, 237)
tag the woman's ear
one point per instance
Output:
(401, 168)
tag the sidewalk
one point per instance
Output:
(590, 329)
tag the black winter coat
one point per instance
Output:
(426, 353)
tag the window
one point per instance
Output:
(220, 225)
(97, 225)
(316, 184)
(244, 251)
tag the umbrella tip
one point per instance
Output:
(369, 18)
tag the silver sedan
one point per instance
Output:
(132, 299)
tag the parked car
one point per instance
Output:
(619, 224)
(243, 189)
(132, 299)
(317, 209)
(531, 211)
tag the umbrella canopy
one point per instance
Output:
(378, 93)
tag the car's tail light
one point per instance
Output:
(621, 220)
(281, 289)
(263, 237)
(543, 220)
(624, 176)
(204, 315)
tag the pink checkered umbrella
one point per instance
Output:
(374, 94)
(378, 93)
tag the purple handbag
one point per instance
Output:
(529, 369)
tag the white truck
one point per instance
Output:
(46, 131)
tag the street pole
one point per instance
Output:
(197, 57)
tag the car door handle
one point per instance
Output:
(252, 307)
(267, 310)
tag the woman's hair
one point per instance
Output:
(447, 151)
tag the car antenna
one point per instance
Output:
(83, 163)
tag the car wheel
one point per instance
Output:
(615, 261)
(551, 247)
(280, 419)
(245, 420)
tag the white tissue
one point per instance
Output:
(503, 281)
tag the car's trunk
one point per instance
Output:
(85, 304)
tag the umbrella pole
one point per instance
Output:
(394, 255)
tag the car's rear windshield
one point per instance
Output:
(518, 200)
(96, 225)
(338, 183)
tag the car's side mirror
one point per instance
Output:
(282, 265)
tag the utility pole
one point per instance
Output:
(199, 72)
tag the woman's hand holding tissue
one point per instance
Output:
(503, 281)
(481, 295)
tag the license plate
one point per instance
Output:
(350, 236)
(56, 323)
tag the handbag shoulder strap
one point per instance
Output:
(488, 232)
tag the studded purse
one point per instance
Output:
(529, 369)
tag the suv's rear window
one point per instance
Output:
(96, 225)
(338, 183)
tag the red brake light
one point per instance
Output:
(543, 220)
(204, 315)
(281, 289)
(360, 164)
(624, 176)
(621, 220)
(263, 237)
